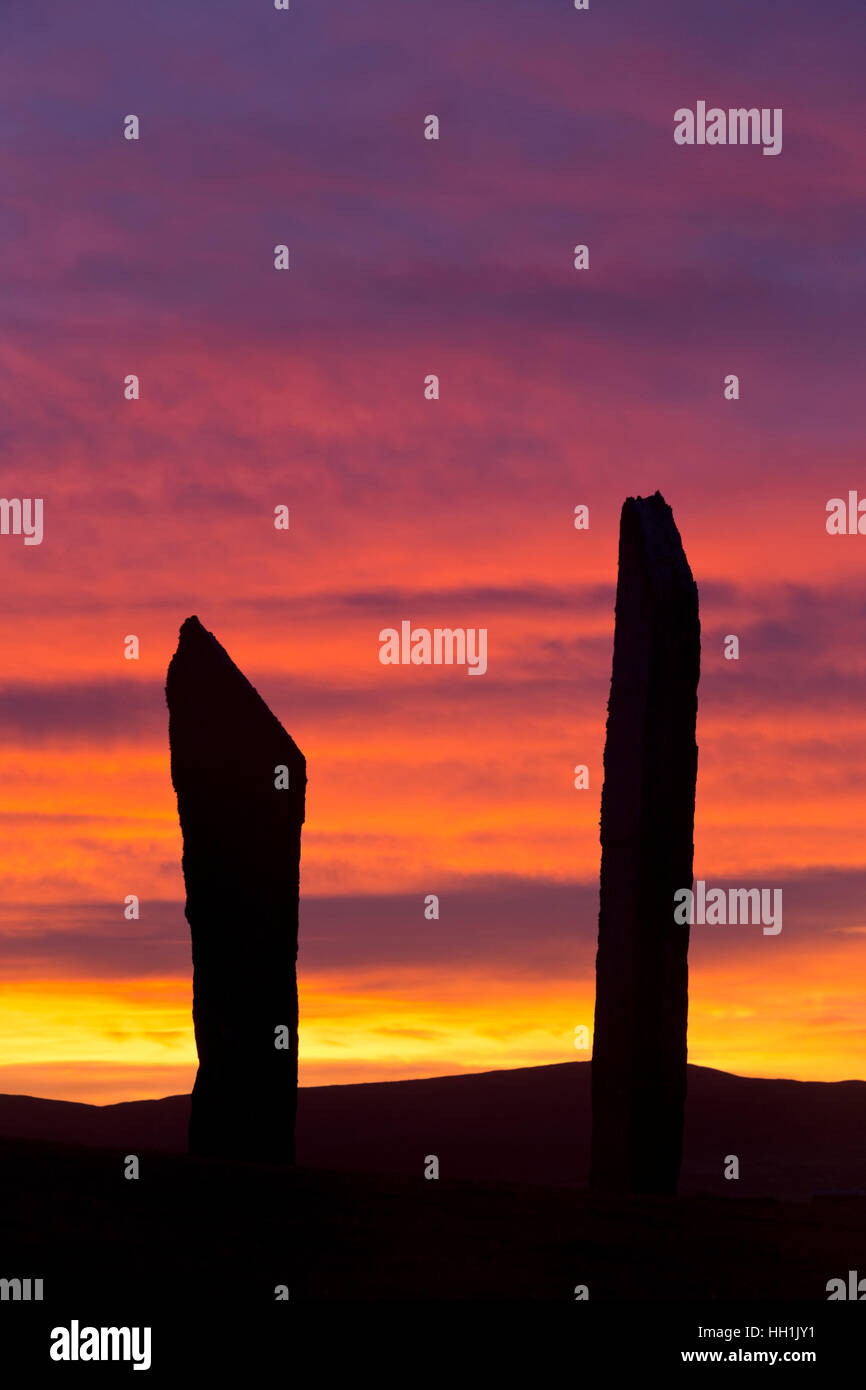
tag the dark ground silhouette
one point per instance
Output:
(196, 1247)
(793, 1138)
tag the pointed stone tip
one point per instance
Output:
(202, 676)
(198, 645)
(193, 634)
(192, 625)
(193, 640)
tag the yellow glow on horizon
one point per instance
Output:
(133, 1039)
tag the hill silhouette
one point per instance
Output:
(527, 1125)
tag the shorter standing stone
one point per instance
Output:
(241, 865)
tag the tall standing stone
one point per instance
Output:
(647, 853)
(241, 863)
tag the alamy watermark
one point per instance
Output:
(22, 516)
(736, 126)
(443, 646)
(737, 906)
(76, 1343)
(21, 1290)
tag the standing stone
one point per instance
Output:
(241, 863)
(647, 852)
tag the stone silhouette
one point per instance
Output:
(241, 864)
(647, 840)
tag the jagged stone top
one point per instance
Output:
(660, 538)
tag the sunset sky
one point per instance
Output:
(306, 388)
